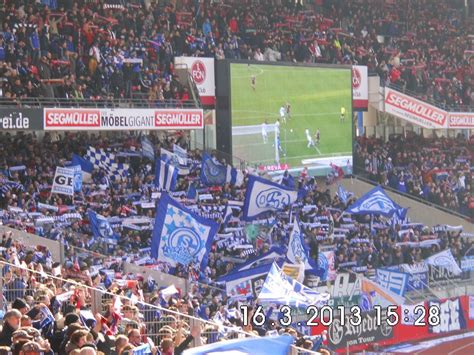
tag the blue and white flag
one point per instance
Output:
(166, 175)
(263, 196)
(275, 345)
(297, 249)
(343, 194)
(214, 173)
(174, 159)
(77, 178)
(392, 280)
(86, 166)
(376, 202)
(101, 228)
(147, 149)
(399, 217)
(444, 259)
(106, 161)
(181, 236)
(280, 289)
(192, 193)
(180, 152)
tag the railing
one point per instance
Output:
(423, 97)
(155, 317)
(138, 101)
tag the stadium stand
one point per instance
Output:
(86, 50)
(437, 170)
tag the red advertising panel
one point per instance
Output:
(122, 119)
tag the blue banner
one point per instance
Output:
(214, 173)
(181, 236)
(263, 196)
(298, 251)
(392, 280)
(375, 202)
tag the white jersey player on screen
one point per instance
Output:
(310, 139)
(283, 113)
(265, 132)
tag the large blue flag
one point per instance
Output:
(376, 202)
(101, 228)
(214, 173)
(86, 166)
(166, 175)
(280, 289)
(278, 345)
(297, 248)
(263, 196)
(181, 236)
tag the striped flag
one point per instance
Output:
(147, 148)
(166, 175)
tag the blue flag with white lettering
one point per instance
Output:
(181, 236)
(263, 196)
(376, 202)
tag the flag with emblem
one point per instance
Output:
(374, 202)
(181, 236)
(298, 250)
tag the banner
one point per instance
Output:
(72, 119)
(101, 228)
(263, 196)
(360, 88)
(461, 120)
(370, 330)
(245, 284)
(63, 182)
(181, 236)
(414, 111)
(444, 260)
(202, 72)
(21, 119)
(376, 202)
(392, 280)
(214, 173)
(418, 275)
(451, 316)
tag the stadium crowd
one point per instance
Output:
(89, 50)
(438, 170)
(27, 171)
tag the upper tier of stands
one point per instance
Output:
(85, 49)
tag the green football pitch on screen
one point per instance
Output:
(303, 99)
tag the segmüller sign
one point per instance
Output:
(414, 111)
(122, 119)
(461, 120)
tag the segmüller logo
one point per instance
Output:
(179, 119)
(71, 118)
(198, 71)
(416, 108)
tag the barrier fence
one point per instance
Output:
(156, 319)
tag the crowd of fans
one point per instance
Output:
(360, 245)
(87, 49)
(438, 170)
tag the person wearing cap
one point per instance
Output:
(33, 348)
(21, 335)
(10, 325)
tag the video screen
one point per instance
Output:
(290, 116)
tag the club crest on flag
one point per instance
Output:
(181, 236)
(376, 201)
